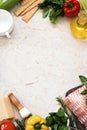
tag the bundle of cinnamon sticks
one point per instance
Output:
(27, 9)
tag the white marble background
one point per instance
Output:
(40, 62)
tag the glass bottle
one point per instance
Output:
(78, 25)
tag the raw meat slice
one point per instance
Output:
(77, 104)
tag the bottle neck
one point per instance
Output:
(82, 19)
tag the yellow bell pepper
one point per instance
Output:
(35, 122)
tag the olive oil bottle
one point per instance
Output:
(78, 25)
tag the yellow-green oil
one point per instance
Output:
(78, 25)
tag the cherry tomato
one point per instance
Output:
(7, 125)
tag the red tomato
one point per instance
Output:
(7, 125)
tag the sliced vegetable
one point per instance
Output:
(8, 4)
(71, 8)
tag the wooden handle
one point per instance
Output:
(15, 101)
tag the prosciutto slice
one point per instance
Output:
(76, 102)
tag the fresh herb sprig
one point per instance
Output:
(52, 8)
(60, 100)
(83, 80)
(59, 120)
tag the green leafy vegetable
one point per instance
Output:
(84, 92)
(63, 128)
(83, 79)
(61, 112)
(60, 100)
(52, 8)
(58, 120)
(45, 12)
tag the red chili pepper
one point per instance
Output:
(71, 8)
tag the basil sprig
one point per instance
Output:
(58, 120)
(83, 80)
(52, 8)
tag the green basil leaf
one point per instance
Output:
(55, 13)
(64, 120)
(43, 5)
(55, 1)
(61, 112)
(58, 12)
(61, 3)
(49, 121)
(83, 80)
(45, 12)
(52, 8)
(63, 127)
(84, 92)
(52, 16)
(57, 120)
(53, 19)
(55, 126)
